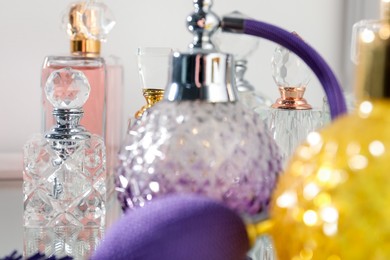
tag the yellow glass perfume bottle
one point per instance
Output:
(333, 201)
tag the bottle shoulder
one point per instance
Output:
(39, 146)
(357, 127)
(73, 61)
(351, 142)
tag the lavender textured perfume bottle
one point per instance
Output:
(200, 138)
(88, 24)
(64, 177)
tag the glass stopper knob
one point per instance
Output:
(98, 20)
(203, 23)
(385, 9)
(288, 70)
(292, 76)
(240, 45)
(92, 20)
(67, 89)
(72, 20)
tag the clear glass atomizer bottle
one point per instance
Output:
(64, 177)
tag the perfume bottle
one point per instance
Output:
(291, 118)
(334, 194)
(242, 47)
(87, 27)
(88, 24)
(64, 177)
(200, 139)
(153, 74)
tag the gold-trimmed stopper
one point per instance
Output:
(80, 42)
(152, 96)
(86, 47)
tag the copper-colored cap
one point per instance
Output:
(291, 98)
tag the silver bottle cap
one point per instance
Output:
(202, 73)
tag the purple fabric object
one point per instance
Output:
(318, 65)
(175, 228)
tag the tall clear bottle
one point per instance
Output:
(291, 118)
(88, 23)
(64, 177)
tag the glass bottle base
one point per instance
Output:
(73, 241)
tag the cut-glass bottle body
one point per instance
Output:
(64, 186)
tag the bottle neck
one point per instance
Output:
(385, 9)
(242, 84)
(85, 47)
(373, 69)
(292, 98)
(68, 125)
(152, 97)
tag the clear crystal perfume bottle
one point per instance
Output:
(242, 47)
(64, 177)
(291, 118)
(338, 180)
(88, 24)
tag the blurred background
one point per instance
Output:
(31, 30)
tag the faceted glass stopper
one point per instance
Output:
(288, 70)
(67, 89)
(366, 31)
(98, 20)
(239, 45)
(92, 20)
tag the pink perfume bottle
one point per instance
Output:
(88, 23)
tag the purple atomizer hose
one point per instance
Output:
(290, 41)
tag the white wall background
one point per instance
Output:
(30, 30)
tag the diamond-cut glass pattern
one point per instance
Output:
(65, 193)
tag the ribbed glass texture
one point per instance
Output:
(289, 128)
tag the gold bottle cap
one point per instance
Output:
(88, 24)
